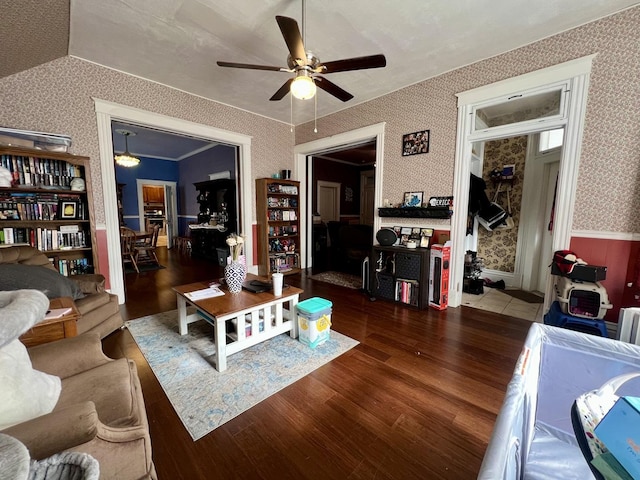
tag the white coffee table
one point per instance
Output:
(243, 307)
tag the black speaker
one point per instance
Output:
(386, 237)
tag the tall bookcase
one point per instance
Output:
(278, 212)
(41, 209)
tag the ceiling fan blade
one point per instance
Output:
(252, 67)
(282, 92)
(293, 39)
(357, 63)
(333, 89)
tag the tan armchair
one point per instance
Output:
(100, 311)
(100, 410)
(67, 396)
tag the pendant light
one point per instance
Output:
(126, 159)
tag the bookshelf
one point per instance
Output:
(278, 214)
(40, 208)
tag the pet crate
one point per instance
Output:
(582, 299)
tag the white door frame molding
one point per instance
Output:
(106, 112)
(302, 151)
(575, 74)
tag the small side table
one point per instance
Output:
(56, 328)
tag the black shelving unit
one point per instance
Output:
(400, 274)
(415, 212)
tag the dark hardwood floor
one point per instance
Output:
(416, 399)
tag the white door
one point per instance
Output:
(329, 201)
(171, 217)
(367, 197)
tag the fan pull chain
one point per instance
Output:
(315, 114)
(291, 107)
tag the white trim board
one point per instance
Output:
(106, 112)
(300, 153)
(576, 75)
(599, 235)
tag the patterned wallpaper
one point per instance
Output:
(57, 97)
(609, 174)
(498, 248)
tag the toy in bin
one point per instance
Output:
(314, 321)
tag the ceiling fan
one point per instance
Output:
(308, 68)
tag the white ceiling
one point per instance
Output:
(177, 43)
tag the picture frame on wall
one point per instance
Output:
(413, 199)
(415, 143)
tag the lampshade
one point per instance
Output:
(303, 86)
(126, 159)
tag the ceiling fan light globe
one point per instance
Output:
(303, 88)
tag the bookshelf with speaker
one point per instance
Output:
(278, 215)
(46, 202)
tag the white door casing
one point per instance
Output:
(574, 76)
(300, 152)
(106, 112)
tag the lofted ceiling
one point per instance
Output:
(177, 42)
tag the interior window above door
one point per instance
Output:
(519, 108)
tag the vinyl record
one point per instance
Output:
(386, 237)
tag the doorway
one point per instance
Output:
(569, 82)
(109, 234)
(373, 133)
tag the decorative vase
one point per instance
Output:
(234, 274)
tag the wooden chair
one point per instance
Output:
(145, 252)
(127, 246)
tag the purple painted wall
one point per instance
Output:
(197, 169)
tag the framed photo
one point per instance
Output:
(413, 199)
(424, 242)
(405, 234)
(68, 210)
(415, 143)
(398, 231)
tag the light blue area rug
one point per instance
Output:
(205, 398)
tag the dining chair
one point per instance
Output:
(145, 252)
(127, 246)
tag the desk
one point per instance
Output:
(56, 328)
(240, 308)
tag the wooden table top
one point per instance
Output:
(61, 302)
(233, 302)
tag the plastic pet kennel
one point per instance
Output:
(533, 437)
(582, 299)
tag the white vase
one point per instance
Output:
(234, 275)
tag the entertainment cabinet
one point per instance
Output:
(40, 208)
(400, 274)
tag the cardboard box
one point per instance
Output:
(619, 430)
(439, 276)
(314, 321)
(15, 141)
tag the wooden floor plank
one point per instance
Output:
(417, 398)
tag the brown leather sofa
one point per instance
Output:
(100, 312)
